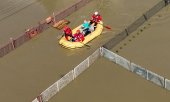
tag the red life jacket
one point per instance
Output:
(78, 37)
(68, 33)
(96, 18)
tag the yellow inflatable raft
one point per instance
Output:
(69, 44)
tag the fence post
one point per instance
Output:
(39, 98)
(58, 87)
(101, 51)
(147, 78)
(145, 17)
(164, 82)
(74, 73)
(12, 42)
(88, 60)
(126, 31)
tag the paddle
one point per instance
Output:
(85, 44)
(79, 42)
(61, 36)
(82, 43)
(105, 26)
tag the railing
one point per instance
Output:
(143, 72)
(103, 51)
(136, 24)
(66, 79)
(117, 59)
(39, 28)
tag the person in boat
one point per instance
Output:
(78, 37)
(85, 28)
(96, 18)
(68, 32)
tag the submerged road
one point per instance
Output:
(37, 64)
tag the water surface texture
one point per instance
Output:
(149, 46)
(31, 68)
(18, 15)
(105, 81)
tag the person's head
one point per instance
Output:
(96, 13)
(85, 21)
(78, 31)
(66, 27)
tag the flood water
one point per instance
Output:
(18, 15)
(149, 45)
(105, 81)
(37, 64)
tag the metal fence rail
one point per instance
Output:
(119, 37)
(155, 9)
(153, 77)
(146, 74)
(66, 79)
(130, 66)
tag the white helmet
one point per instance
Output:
(85, 21)
(96, 13)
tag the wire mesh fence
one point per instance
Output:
(167, 84)
(146, 74)
(138, 70)
(155, 78)
(70, 76)
(155, 9)
(136, 24)
(6, 49)
(115, 40)
(66, 79)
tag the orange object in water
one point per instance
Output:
(32, 32)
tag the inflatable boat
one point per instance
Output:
(71, 45)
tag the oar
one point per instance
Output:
(85, 44)
(105, 26)
(60, 36)
(79, 42)
(82, 43)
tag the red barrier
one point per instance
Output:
(32, 32)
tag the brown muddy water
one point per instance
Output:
(149, 45)
(37, 64)
(18, 15)
(105, 81)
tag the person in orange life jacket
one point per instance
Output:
(78, 36)
(96, 18)
(68, 32)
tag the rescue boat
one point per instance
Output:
(71, 45)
